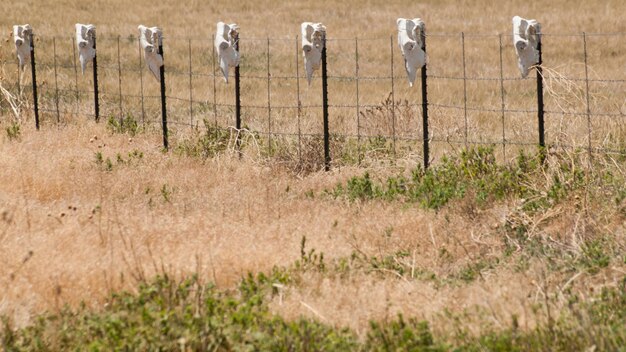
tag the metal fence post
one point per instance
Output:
(237, 99)
(540, 118)
(425, 107)
(95, 81)
(34, 76)
(325, 107)
(163, 106)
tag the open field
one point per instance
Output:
(90, 209)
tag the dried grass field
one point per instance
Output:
(90, 209)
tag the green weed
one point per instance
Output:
(127, 124)
(13, 131)
(211, 142)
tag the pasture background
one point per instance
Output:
(72, 232)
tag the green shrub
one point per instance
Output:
(169, 315)
(13, 131)
(212, 141)
(473, 170)
(127, 124)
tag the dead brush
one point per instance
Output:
(15, 103)
(301, 158)
(386, 118)
(570, 98)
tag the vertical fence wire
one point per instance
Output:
(75, 74)
(464, 89)
(143, 109)
(393, 101)
(214, 87)
(269, 102)
(588, 106)
(190, 89)
(56, 80)
(358, 110)
(502, 99)
(299, 113)
(119, 76)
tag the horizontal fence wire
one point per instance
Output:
(476, 94)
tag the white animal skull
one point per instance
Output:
(226, 38)
(85, 40)
(313, 38)
(410, 41)
(526, 38)
(150, 39)
(21, 36)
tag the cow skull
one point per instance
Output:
(410, 34)
(85, 40)
(526, 39)
(150, 39)
(226, 39)
(313, 41)
(22, 35)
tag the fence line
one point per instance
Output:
(371, 119)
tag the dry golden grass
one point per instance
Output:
(71, 231)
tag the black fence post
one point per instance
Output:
(325, 107)
(542, 142)
(163, 107)
(237, 100)
(96, 99)
(425, 107)
(34, 76)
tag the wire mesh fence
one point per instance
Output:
(475, 95)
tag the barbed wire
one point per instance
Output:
(122, 101)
